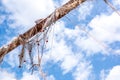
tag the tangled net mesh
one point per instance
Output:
(36, 46)
(39, 42)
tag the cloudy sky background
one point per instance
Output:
(84, 47)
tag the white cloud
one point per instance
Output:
(4, 75)
(83, 71)
(63, 54)
(51, 77)
(114, 74)
(85, 10)
(103, 74)
(117, 51)
(105, 29)
(37, 76)
(89, 45)
(2, 18)
(69, 62)
(28, 76)
(26, 12)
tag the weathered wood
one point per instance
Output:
(57, 14)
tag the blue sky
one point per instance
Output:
(83, 45)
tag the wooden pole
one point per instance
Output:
(52, 18)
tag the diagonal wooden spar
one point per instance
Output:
(57, 14)
(114, 9)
